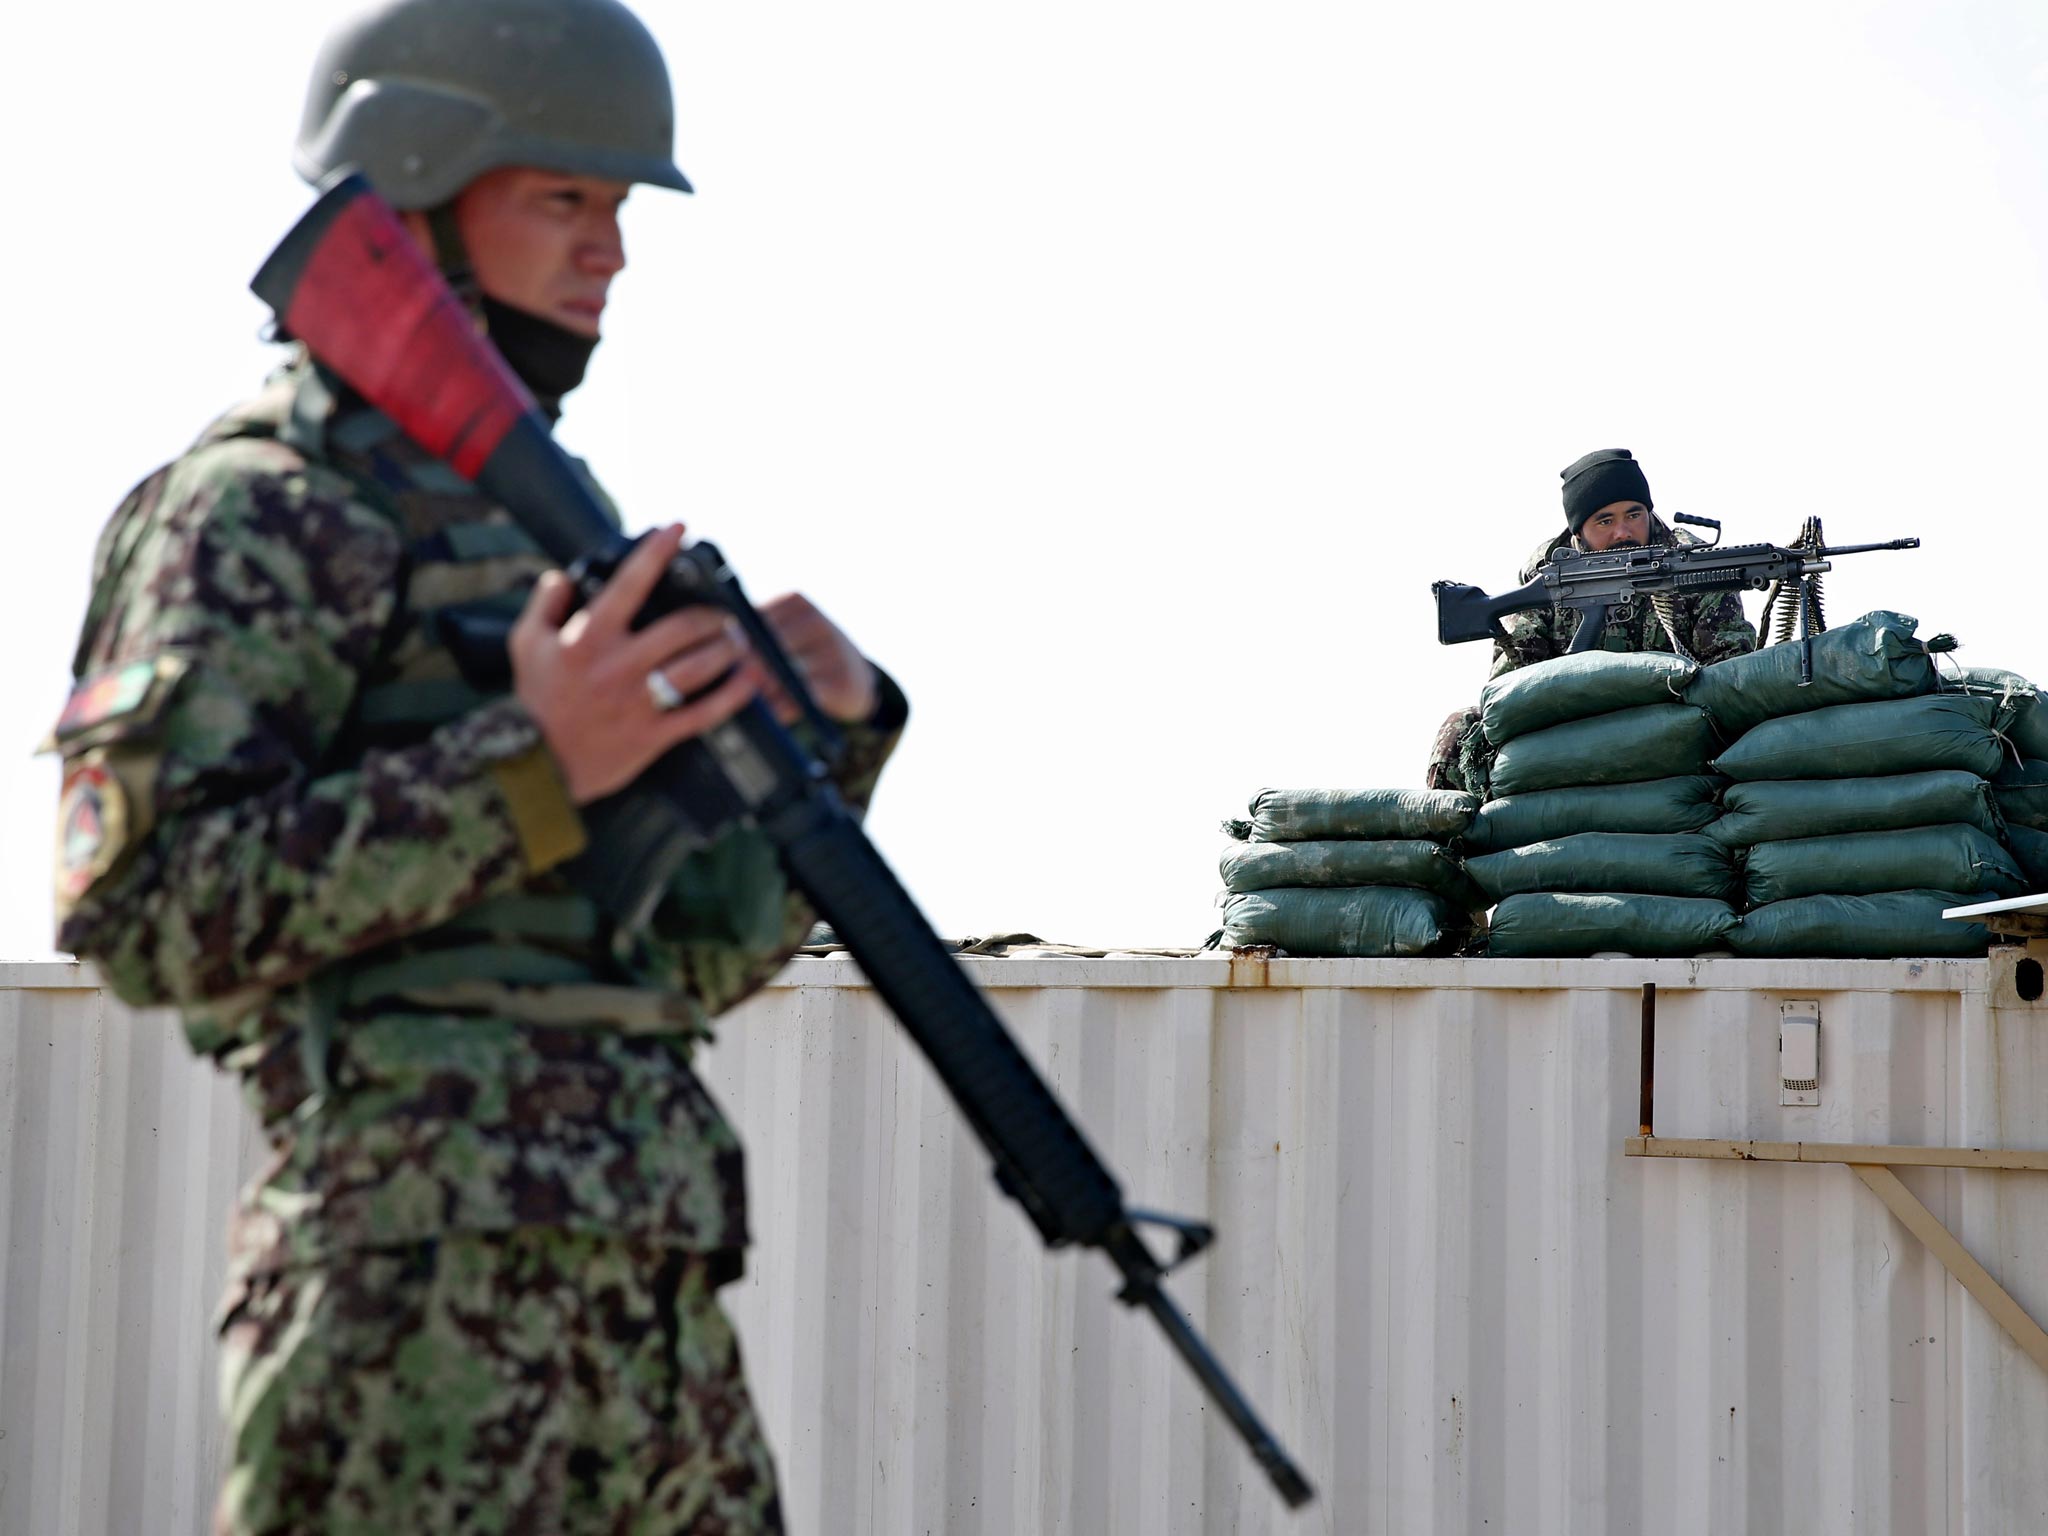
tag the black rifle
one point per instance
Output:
(1593, 583)
(351, 285)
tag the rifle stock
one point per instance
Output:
(1465, 613)
(349, 283)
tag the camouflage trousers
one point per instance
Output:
(534, 1381)
(1449, 755)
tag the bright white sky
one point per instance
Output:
(1121, 373)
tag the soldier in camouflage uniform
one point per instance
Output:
(1607, 505)
(475, 1288)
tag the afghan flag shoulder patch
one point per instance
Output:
(116, 703)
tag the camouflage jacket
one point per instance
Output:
(1712, 626)
(286, 814)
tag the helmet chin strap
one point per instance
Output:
(451, 253)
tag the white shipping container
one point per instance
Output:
(1436, 1275)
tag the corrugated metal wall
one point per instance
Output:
(119, 1155)
(1436, 1275)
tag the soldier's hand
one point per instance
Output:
(585, 676)
(840, 678)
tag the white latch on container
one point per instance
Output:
(1799, 1052)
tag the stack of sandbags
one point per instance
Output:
(1598, 788)
(1861, 806)
(2021, 784)
(2022, 791)
(1350, 872)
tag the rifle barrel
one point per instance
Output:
(1282, 1473)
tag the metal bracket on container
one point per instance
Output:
(1874, 1165)
(2019, 963)
(2020, 917)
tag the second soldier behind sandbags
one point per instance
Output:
(1607, 505)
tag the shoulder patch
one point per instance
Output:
(116, 703)
(92, 828)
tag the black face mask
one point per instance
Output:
(549, 360)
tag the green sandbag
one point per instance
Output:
(1653, 741)
(1778, 810)
(1565, 688)
(2022, 792)
(1307, 815)
(1860, 741)
(1572, 925)
(1408, 861)
(2027, 729)
(1375, 921)
(1680, 864)
(1877, 657)
(2030, 852)
(1950, 858)
(1684, 804)
(1892, 925)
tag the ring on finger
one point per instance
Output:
(664, 694)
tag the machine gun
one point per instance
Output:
(350, 284)
(1594, 584)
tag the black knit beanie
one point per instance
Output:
(1602, 477)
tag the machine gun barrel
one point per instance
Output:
(1864, 549)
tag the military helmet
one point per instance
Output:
(424, 96)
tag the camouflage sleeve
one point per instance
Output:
(870, 742)
(237, 862)
(1719, 629)
(1532, 637)
(1448, 754)
(730, 921)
